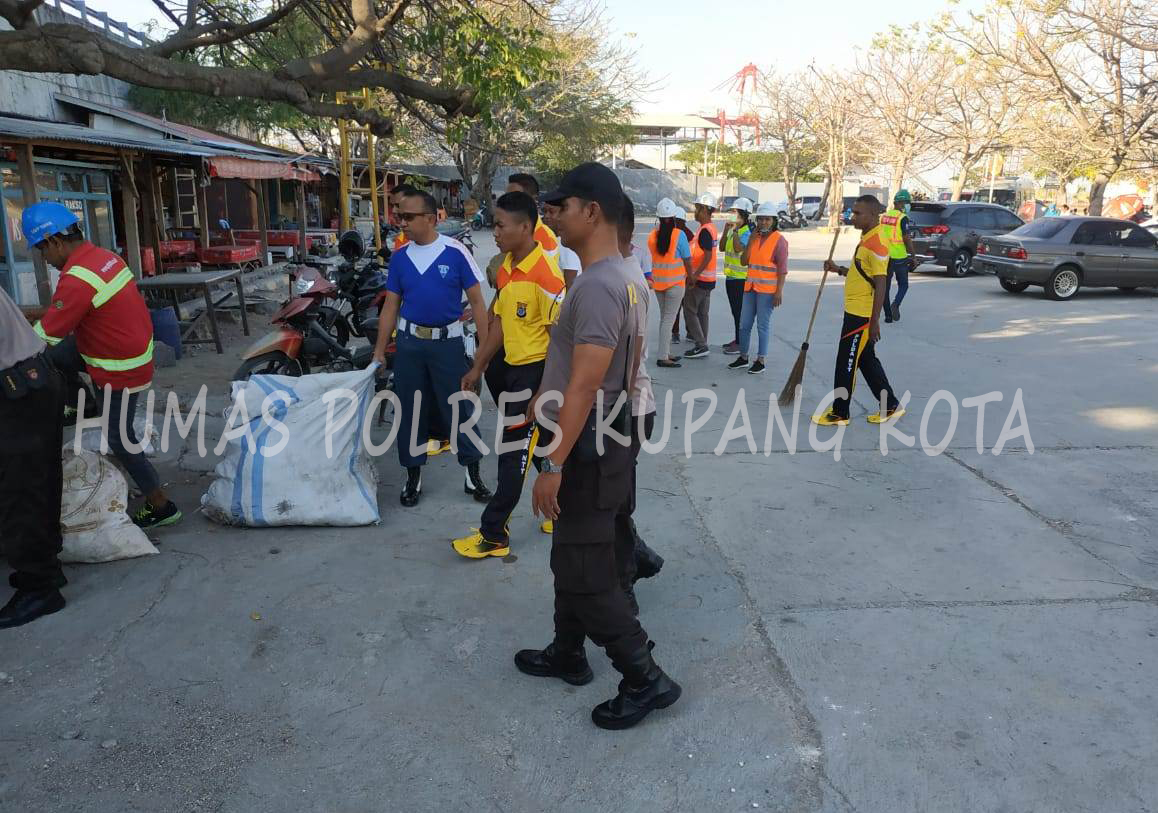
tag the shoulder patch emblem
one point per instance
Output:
(521, 310)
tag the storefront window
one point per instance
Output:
(100, 224)
(12, 209)
(98, 182)
(46, 179)
(72, 181)
(11, 178)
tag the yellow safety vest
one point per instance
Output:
(733, 250)
(891, 221)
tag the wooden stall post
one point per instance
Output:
(31, 196)
(262, 219)
(129, 200)
(303, 244)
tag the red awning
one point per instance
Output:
(233, 167)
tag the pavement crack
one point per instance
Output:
(807, 736)
(1065, 529)
(832, 786)
(1136, 595)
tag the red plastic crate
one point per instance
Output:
(229, 255)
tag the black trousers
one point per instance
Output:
(513, 465)
(735, 289)
(586, 548)
(31, 436)
(627, 538)
(854, 352)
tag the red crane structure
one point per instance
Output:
(737, 84)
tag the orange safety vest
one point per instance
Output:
(667, 270)
(709, 273)
(763, 276)
(400, 240)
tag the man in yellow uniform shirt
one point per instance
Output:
(531, 290)
(864, 296)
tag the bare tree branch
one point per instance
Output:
(220, 32)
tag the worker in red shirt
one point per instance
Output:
(98, 322)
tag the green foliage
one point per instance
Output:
(295, 36)
(746, 165)
(583, 140)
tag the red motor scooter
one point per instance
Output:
(307, 337)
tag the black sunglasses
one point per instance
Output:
(406, 217)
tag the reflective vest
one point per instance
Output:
(891, 221)
(709, 272)
(762, 274)
(97, 299)
(400, 240)
(667, 270)
(733, 250)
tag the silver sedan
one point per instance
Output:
(1065, 254)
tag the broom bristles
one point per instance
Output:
(795, 378)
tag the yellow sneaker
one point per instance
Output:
(892, 416)
(548, 527)
(829, 418)
(434, 447)
(476, 547)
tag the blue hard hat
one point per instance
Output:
(42, 220)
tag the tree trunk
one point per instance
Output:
(1098, 191)
(790, 187)
(897, 180)
(959, 181)
(824, 195)
(480, 189)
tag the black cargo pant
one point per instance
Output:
(31, 436)
(589, 598)
(511, 378)
(627, 538)
(857, 351)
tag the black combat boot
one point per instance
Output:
(569, 664)
(644, 688)
(413, 488)
(474, 484)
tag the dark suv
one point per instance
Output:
(947, 233)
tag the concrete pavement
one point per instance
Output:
(959, 632)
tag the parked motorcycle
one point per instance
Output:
(301, 340)
(312, 336)
(795, 220)
(483, 219)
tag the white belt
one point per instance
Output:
(451, 331)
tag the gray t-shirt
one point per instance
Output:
(606, 306)
(18, 341)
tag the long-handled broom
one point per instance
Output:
(796, 377)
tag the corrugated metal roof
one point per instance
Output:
(76, 134)
(171, 128)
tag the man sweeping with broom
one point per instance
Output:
(864, 297)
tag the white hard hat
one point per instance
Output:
(706, 199)
(743, 204)
(668, 208)
(766, 209)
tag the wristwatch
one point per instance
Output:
(547, 467)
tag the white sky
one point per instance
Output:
(689, 47)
